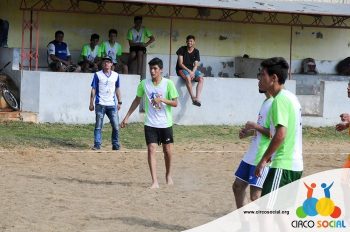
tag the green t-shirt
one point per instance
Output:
(113, 51)
(286, 111)
(157, 115)
(90, 54)
(138, 36)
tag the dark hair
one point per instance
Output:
(136, 18)
(59, 33)
(94, 36)
(278, 66)
(190, 37)
(156, 61)
(112, 31)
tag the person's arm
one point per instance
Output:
(132, 108)
(119, 98)
(276, 141)
(244, 133)
(151, 40)
(254, 126)
(92, 97)
(172, 102)
(180, 63)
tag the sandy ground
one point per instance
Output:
(60, 190)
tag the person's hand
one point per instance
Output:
(124, 123)
(341, 126)
(243, 133)
(250, 125)
(157, 100)
(118, 106)
(192, 74)
(260, 167)
(91, 107)
(345, 117)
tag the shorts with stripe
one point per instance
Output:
(277, 178)
(246, 173)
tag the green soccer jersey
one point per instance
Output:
(90, 54)
(139, 36)
(286, 111)
(157, 115)
(106, 49)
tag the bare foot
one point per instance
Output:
(154, 186)
(169, 181)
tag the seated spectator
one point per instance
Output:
(4, 30)
(89, 55)
(186, 67)
(137, 36)
(114, 50)
(59, 55)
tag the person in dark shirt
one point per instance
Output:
(186, 68)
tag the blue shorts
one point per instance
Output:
(184, 73)
(246, 173)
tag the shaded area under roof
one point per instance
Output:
(313, 8)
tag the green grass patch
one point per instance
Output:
(21, 135)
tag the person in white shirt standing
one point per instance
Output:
(105, 91)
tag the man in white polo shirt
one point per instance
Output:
(105, 90)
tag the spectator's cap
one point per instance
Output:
(107, 58)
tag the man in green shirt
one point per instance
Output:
(137, 36)
(114, 50)
(89, 55)
(160, 96)
(285, 149)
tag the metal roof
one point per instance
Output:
(292, 7)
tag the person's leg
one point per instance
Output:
(239, 190)
(152, 140)
(100, 112)
(152, 163)
(167, 149)
(199, 78)
(186, 76)
(132, 62)
(139, 62)
(112, 114)
(241, 183)
(255, 193)
(85, 66)
(125, 69)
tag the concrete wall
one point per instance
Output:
(65, 97)
(335, 101)
(225, 101)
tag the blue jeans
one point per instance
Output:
(112, 114)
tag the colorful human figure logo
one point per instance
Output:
(323, 206)
(155, 105)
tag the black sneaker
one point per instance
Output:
(95, 148)
(115, 148)
(196, 103)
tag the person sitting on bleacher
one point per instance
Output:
(59, 56)
(89, 55)
(114, 50)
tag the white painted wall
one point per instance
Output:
(225, 101)
(64, 97)
(335, 101)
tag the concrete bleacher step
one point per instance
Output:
(7, 115)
